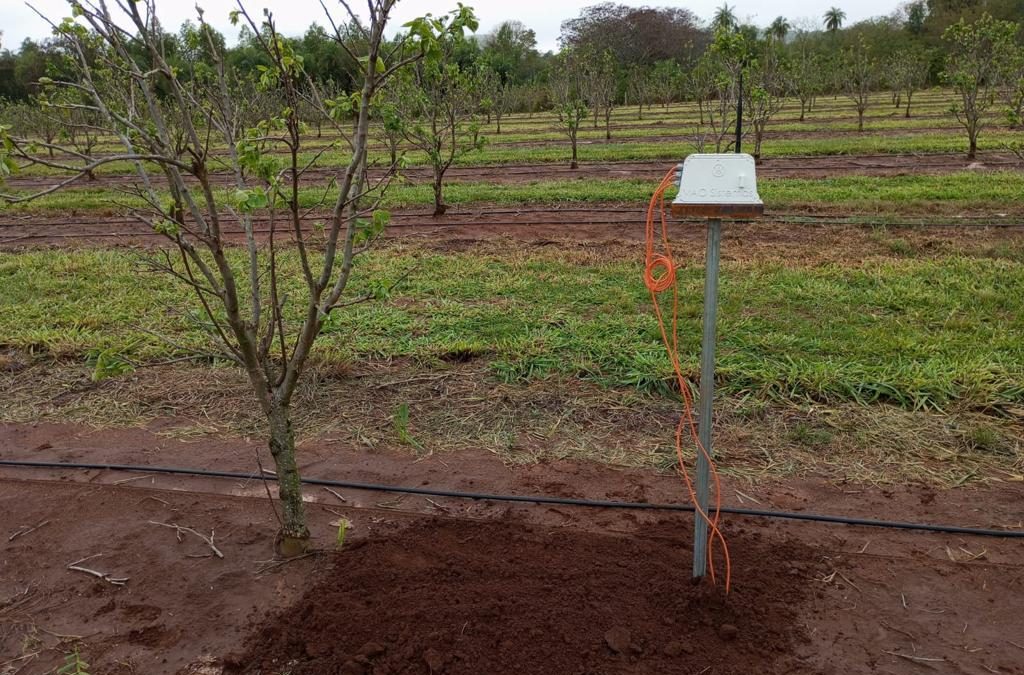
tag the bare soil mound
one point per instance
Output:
(454, 597)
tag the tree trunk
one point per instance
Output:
(439, 206)
(803, 107)
(574, 164)
(640, 111)
(498, 118)
(860, 120)
(907, 114)
(293, 539)
(972, 150)
(608, 123)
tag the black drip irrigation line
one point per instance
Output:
(530, 499)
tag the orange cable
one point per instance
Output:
(660, 276)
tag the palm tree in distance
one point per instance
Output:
(779, 28)
(834, 18)
(725, 17)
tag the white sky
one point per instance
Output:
(17, 21)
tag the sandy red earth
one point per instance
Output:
(816, 235)
(439, 585)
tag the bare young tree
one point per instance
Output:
(764, 93)
(638, 88)
(701, 85)
(568, 84)
(805, 79)
(438, 103)
(976, 53)
(495, 95)
(602, 87)
(859, 77)
(908, 72)
(1012, 87)
(724, 61)
(268, 333)
(36, 122)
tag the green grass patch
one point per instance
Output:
(964, 190)
(917, 333)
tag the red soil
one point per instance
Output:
(477, 587)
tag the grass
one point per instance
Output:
(964, 190)
(922, 334)
(597, 150)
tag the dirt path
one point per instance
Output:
(785, 232)
(452, 586)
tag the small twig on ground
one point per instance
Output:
(269, 472)
(898, 630)
(273, 564)
(922, 659)
(418, 378)
(973, 556)
(114, 581)
(16, 599)
(744, 495)
(156, 499)
(129, 480)
(179, 529)
(62, 636)
(436, 505)
(1018, 646)
(30, 655)
(335, 493)
(904, 599)
(848, 581)
(23, 531)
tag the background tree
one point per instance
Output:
(568, 84)
(268, 334)
(977, 53)
(805, 78)
(779, 29)
(859, 77)
(511, 51)
(765, 91)
(724, 18)
(439, 102)
(37, 120)
(638, 36)
(1012, 87)
(638, 89)
(666, 81)
(701, 85)
(602, 87)
(723, 61)
(908, 73)
(834, 19)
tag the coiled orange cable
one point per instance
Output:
(660, 276)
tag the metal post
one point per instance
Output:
(739, 116)
(707, 387)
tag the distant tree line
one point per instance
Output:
(610, 56)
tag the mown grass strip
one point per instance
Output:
(916, 333)
(970, 190)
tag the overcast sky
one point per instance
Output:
(544, 16)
